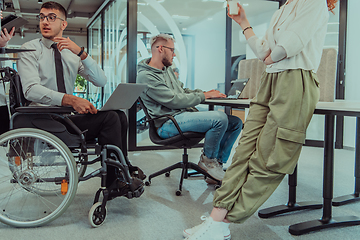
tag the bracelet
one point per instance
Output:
(81, 52)
(246, 29)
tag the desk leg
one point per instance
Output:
(353, 197)
(326, 221)
(291, 206)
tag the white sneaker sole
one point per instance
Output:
(186, 234)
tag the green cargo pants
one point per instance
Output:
(271, 141)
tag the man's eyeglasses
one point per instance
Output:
(50, 17)
(172, 49)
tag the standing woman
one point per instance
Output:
(275, 128)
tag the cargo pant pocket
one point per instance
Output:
(284, 155)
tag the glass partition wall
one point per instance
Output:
(208, 45)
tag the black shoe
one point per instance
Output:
(120, 188)
(136, 172)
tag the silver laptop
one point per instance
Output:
(124, 96)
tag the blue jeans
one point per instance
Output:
(221, 130)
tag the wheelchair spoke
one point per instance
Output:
(32, 165)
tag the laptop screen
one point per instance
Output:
(237, 87)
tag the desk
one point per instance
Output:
(330, 110)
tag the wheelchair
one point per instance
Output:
(43, 158)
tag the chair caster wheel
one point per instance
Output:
(95, 217)
(178, 193)
(167, 174)
(147, 183)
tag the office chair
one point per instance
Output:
(184, 140)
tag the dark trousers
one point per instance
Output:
(110, 127)
(4, 119)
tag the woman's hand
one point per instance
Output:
(240, 18)
(268, 60)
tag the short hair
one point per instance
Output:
(54, 5)
(161, 36)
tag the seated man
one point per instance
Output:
(166, 95)
(45, 83)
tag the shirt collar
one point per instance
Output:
(47, 42)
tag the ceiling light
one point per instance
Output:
(40, 2)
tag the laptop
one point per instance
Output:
(11, 21)
(124, 96)
(237, 87)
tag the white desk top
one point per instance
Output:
(339, 107)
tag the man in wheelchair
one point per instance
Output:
(48, 76)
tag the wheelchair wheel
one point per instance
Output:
(95, 217)
(38, 177)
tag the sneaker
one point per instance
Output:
(212, 167)
(208, 230)
(211, 181)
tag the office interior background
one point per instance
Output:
(116, 34)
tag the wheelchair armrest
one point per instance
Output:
(44, 109)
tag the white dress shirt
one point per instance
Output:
(38, 75)
(299, 27)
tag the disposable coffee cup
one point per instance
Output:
(233, 8)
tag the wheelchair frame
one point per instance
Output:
(38, 167)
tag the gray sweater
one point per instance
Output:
(165, 94)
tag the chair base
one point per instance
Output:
(185, 166)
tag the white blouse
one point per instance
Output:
(299, 27)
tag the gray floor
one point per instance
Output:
(159, 214)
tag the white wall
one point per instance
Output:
(210, 46)
(352, 81)
(209, 51)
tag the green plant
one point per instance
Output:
(80, 84)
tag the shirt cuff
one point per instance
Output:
(57, 98)
(278, 54)
(88, 60)
(202, 96)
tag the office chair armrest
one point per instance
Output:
(45, 109)
(171, 117)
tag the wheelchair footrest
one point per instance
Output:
(120, 188)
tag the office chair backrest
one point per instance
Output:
(253, 69)
(154, 137)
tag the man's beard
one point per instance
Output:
(166, 62)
